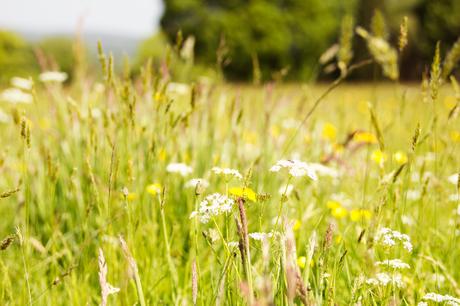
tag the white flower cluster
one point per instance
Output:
(197, 181)
(16, 96)
(53, 77)
(453, 179)
(227, 173)
(388, 238)
(396, 264)
(260, 236)
(212, 206)
(22, 83)
(233, 244)
(439, 298)
(384, 279)
(296, 168)
(180, 168)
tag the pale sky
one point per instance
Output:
(123, 17)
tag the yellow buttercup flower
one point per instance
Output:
(162, 154)
(301, 262)
(400, 157)
(339, 212)
(153, 189)
(365, 137)
(331, 204)
(455, 136)
(275, 131)
(338, 239)
(246, 192)
(329, 131)
(357, 215)
(131, 196)
(379, 157)
(296, 225)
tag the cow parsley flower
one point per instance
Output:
(439, 298)
(396, 264)
(16, 96)
(260, 236)
(296, 168)
(384, 279)
(53, 77)
(212, 206)
(227, 173)
(453, 179)
(180, 168)
(389, 238)
(194, 182)
(22, 83)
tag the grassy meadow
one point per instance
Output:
(110, 195)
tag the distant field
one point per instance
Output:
(98, 204)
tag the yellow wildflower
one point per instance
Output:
(339, 212)
(379, 157)
(246, 192)
(338, 239)
(357, 215)
(364, 137)
(296, 225)
(455, 136)
(329, 131)
(153, 189)
(131, 196)
(301, 262)
(275, 131)
(162, 154)
(333, 204)
(400, 157)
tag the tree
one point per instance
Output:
(16, 57)
(279, 33)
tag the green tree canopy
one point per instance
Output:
(16, 57)
(280, 33)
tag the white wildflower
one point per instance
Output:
(384, 279)
(4, 118)
(53, 77)
(180, 168)
(233, 244)
(212, 206)
(16, 96)
(260, 236)
(193, 183)
(454, 197)
(396, 264)
(296, 168)
(422, 304)
(413, 194)
(22, 83)
(286, 189)
(439, 298)
(227, 173)
(323, 170)
(178, 88)
(389, 238)
(453, 179)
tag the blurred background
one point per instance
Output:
(239, 40)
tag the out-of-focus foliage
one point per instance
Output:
(16, 56)
(174, 60)
(272, 35)
(58, 53)
(280, 34)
